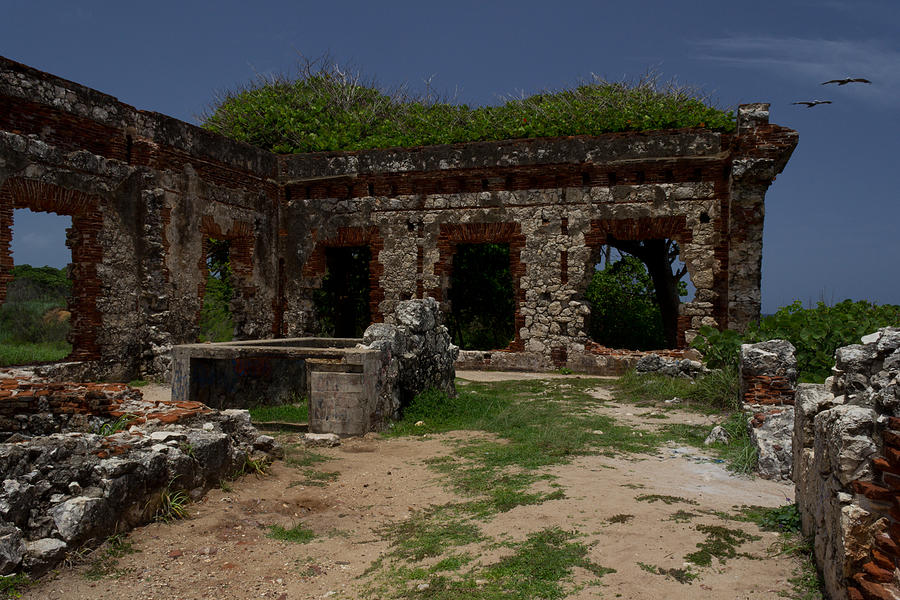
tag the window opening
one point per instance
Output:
(35, 318)
(216, 322)
(482, 301)
(634, 293)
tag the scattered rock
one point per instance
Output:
(328, 440)
(653, 363)
(718, 434)
(12, 548)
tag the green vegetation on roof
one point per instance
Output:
(327, 109)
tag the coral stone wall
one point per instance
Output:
(847, 469)
(146, 191)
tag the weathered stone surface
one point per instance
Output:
(419, 354)
(718, 434)
(773, 357)
(43, 554)
(327, 440)
(772, 439)
(12, 548)
(845, 453)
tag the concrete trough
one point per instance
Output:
(338, 377)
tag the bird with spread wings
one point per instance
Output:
(811, 103)
(846, 80)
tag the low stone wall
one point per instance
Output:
(590, 358)
(847, 469)
(77, 486)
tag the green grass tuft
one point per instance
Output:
(297, 534)
(281, 413)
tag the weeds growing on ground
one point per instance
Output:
(297, 534)
(11, 586)
(106, 561)
(172, 504)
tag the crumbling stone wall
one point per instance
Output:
(67, 483)
(846, 466)
(145, 191)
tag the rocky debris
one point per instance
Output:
(418, 353)
(654, 363)
(326, 440)
(845, 449)
(71, 488)
(718, 434)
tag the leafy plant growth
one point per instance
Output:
(815, 332)
(216, 323)
(327, 108)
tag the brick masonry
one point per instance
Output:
(145, 191)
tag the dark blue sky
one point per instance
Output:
(831, 218)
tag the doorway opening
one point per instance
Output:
(482, 300)
(343, 301)
(216, 322)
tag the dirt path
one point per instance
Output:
(617, 505)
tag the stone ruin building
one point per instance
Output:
(146, 193)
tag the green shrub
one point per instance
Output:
(326, 108)
(815, 333)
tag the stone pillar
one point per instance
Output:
(768, 373)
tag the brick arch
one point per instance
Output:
(644, 228)
(82, 240)
(346, 237)
(451, 235)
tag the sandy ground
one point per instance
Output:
(222, 551)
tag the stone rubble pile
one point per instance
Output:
(673, 367)
(74, 488)
(418, 353)
(846, 466)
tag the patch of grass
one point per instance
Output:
(299, 456)
(297, 534)
(651, 498)
(25, 353)
(543, 424)
(783, 519)
(111, 427)
(620, 518)
(805, 581)
(739, 453)
(318, 478)
(255, 466)
(429, 532)
(11, 586)
(684, 575)
(716, 391)
(281, 413)
(454, 562)
(106, 563)
(682, 516)
(172, 504)
(138, 383)
(720, 543)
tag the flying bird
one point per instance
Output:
(811, 103)
(847, 80)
